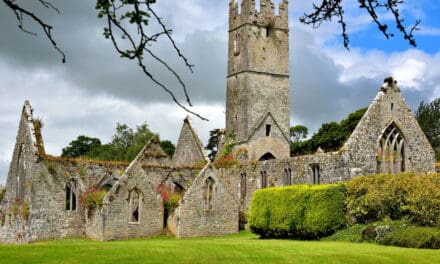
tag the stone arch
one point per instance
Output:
(391, 150)
(267, 156)
(72, 194)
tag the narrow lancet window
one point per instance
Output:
(208, 192)
(315, 174)
(263, 179)
(71, 195)
(134, 206)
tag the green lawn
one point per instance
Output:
(241, 248)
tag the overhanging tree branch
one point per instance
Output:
(329, 9)
(21, 13)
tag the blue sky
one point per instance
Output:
(95, 89)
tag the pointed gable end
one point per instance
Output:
(388, 138)
(189, 149)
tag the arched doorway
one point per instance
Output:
(267, 156)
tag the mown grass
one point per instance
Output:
(241, 248)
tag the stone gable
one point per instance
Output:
(189, 149)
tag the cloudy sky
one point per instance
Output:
(95, 89)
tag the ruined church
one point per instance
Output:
(43, 194)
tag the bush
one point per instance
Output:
(352, 233)
(407, 195)
(93, 198)
(412, 237)
(300, 211)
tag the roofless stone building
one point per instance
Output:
(43, 192)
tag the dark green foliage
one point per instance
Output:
(408, 195)
(2, 193)
(412, 237)
(124, 145)
(298, 133)
(428, 116)
(300, 211)
(80, 147)
(391, 233)
(330, 137)
(168, 147)
(352, 234)
(213, 143)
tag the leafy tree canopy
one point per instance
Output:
(331, 136)
(428, 116)
(125, 144)
(80, 147)
(211, 147)
(298, 133)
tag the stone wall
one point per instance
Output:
(49, 218)
(114, 221)
(389, 106)
(208, 208)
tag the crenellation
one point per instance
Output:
(265, 17)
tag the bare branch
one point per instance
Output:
(329, 9)
(20, 12)
(120, 15)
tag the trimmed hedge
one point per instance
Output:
(300, 211)
(413, 237)
(412, 196)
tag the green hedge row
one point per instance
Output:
(390, 233)
(300, 211)
(412, 196)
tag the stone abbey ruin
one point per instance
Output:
(43, 192)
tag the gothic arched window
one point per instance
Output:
(391, 151)
(71, 195)
(134, 206)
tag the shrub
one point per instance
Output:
(226, 161)
(93, 198)
(407, 195)
(2, 193)
(300, 211)
(170, 199)
(413, 237)
(19, 208)
(352, 233)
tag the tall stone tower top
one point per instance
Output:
(265, 17)
(257, 104)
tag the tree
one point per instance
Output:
(297, 133)
(428, 116)
(168, 147)
(212, 145)
(80, 147)
(129, 21)
(330, 137)
(125, 144)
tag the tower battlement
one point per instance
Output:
(265, 17)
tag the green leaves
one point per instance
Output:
(301, 211)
